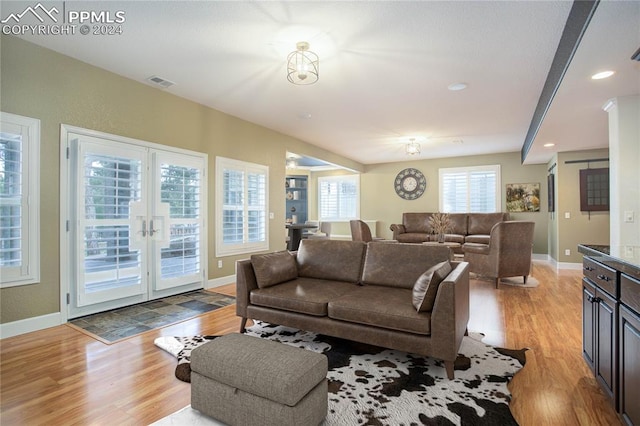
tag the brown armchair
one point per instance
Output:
(508, 253)
(360, 232)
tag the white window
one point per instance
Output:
(470, 189)
(339, 197)
(241, 206)
(19, 200)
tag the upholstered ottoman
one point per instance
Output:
(245, 380)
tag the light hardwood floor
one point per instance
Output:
(60, 376)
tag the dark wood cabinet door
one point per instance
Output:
(606, 362)
(629, 350)
(588, 322)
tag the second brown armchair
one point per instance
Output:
(508, 253)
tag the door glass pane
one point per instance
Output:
(180, 188)
(110, 185)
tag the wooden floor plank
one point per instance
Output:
(61, 376)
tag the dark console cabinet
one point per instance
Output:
(599, 319)
(629, 351)
(611, 330)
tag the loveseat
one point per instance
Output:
(401, 296)
(466, 228)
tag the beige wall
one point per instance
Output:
(580, 227)
(379, 200)
(56, 89)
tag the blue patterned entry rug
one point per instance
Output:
(369, 385)
(122, 323)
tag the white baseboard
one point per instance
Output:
(569, 265)
(28, 325)
(217, 282)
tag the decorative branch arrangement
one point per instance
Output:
(440, 223)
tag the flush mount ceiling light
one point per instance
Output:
(413, 147)
(302, 65)
(549, 145)
(601, 75)
(457, 86)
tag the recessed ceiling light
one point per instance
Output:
(304, 116)
(454, 87)
(549, 145)
(601, 75)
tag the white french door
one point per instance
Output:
(137, 227)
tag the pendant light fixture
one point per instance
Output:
(413, 147)
(302, 65)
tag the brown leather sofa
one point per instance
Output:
(362, 292)
(466, 228)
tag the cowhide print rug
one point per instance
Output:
(369, 385)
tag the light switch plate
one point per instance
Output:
(567, 215)
(567, 252)
(628, 216)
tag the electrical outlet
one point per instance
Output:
(271, 215)
(567, 252)
(567, 215)
(219, 264)
(628, 251)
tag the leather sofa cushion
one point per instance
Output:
(400, 265)
(454, 238)
(426, 286)
(416, 222)
(274, 268)
(304, 295)
(384, 307)
(479, 239)
(413, 237)
(458, 223)
(482, 223)
(331, 259)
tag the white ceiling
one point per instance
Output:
(384, 69)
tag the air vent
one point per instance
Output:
(159, 81)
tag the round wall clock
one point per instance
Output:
(410, 184)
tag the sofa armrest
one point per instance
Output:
(450, 314)
(397, 230)
(245, 282)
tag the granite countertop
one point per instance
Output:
(614, 258)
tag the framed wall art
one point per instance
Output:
(523, 197)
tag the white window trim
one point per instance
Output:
(29, 273)
(245, 247)
(495, 168)
(356, 179)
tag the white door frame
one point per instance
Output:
(66, 179)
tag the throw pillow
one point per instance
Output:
(274, 268)
(426, 286)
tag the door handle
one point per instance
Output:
(144, 228)
(151, 230)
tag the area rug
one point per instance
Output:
(122, 323)
(377, 386)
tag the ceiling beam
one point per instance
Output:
(579, 17)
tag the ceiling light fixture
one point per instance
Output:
(413, 147)
(292, 163)
(603, 74)
(549, 145)
(302, 65)
(457, 86)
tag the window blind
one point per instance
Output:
(472, 189)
